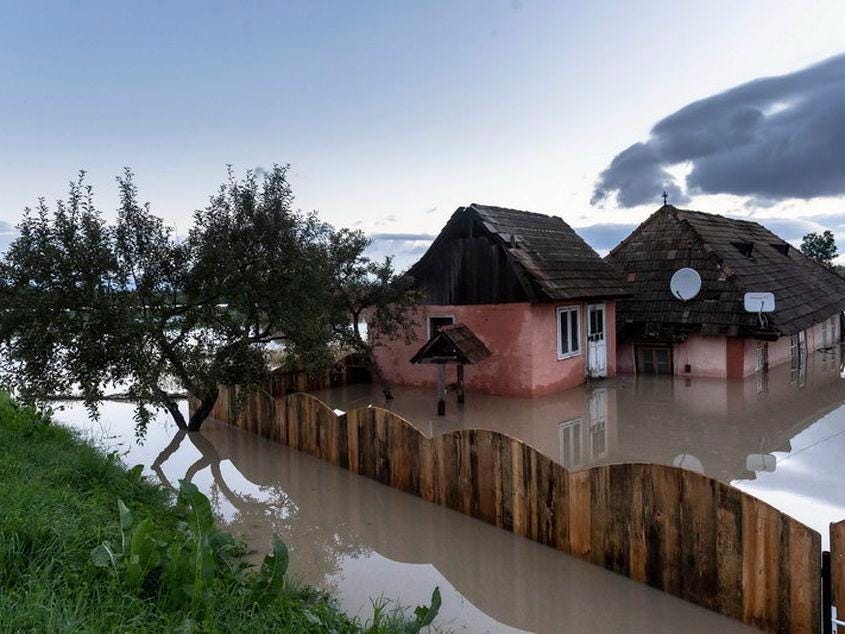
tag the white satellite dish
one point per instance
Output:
(759, 302)
(765, 462)
(689, 462)
(685, 284)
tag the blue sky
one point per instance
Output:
(392, 114)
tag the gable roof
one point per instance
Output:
(454, 343)
(733, 257)
(534, 257)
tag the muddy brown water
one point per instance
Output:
(780, 437)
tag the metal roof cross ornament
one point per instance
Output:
(665, 197)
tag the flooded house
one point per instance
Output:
(712, 334)
(526, 285)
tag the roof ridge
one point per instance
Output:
(481, 206)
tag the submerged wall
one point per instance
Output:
(522, 339)
(731, 357)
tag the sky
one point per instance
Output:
(393, 114)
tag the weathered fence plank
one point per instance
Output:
(679, 531)
(837, 568)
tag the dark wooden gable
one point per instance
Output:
(491, 255)
(733, 257)
(467, 265)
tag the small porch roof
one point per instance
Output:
(454, 343)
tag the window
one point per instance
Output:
(797, 364)
(654, 359)
(797, 346)
(569, 439)
(568, 332)
(436, 322)
(762, 358)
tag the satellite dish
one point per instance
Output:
(685, 284)
(689, 462)
(765, 462)
(759, 302)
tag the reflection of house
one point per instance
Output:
(723, 423)
(714, 423)
(530, 288)
(712, 334)
(584, 440)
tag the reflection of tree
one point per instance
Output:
(305, 525)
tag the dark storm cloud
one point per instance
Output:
(772, 138)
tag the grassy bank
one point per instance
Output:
(71, 561)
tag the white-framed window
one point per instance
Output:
(569, 440)
(568, 331)
(436, 322)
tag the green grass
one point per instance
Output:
(59, 503)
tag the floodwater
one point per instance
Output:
(778, 435)
(360, 539)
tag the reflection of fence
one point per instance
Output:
(681, 532)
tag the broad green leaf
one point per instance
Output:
(144, 553)
(125, 515)
(275, 566)
(103, 556)
(426, 614)
(201, 518)
(135, 473)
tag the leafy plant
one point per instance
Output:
(395, 620)
(184, 565)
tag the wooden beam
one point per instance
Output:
(441, 389)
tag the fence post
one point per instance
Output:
(836, 619)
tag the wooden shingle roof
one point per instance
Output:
(489, 254)
(733, 257)
(454, 343)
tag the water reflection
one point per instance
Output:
(779, 435)
(360, 539)
(739, 431)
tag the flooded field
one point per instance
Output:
(360, 539)
(779, 435)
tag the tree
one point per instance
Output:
(87, 305)
(365, 289)
(820, 247)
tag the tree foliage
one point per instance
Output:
(820, 246)
(88, 305)
(366, 290)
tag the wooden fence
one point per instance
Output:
(676, 530)
(837, 570)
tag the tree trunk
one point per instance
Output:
(164, 456)
(202, 412)
(386, 388)
(173, 407)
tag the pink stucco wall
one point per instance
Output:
(728, 357)
(522, 339)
